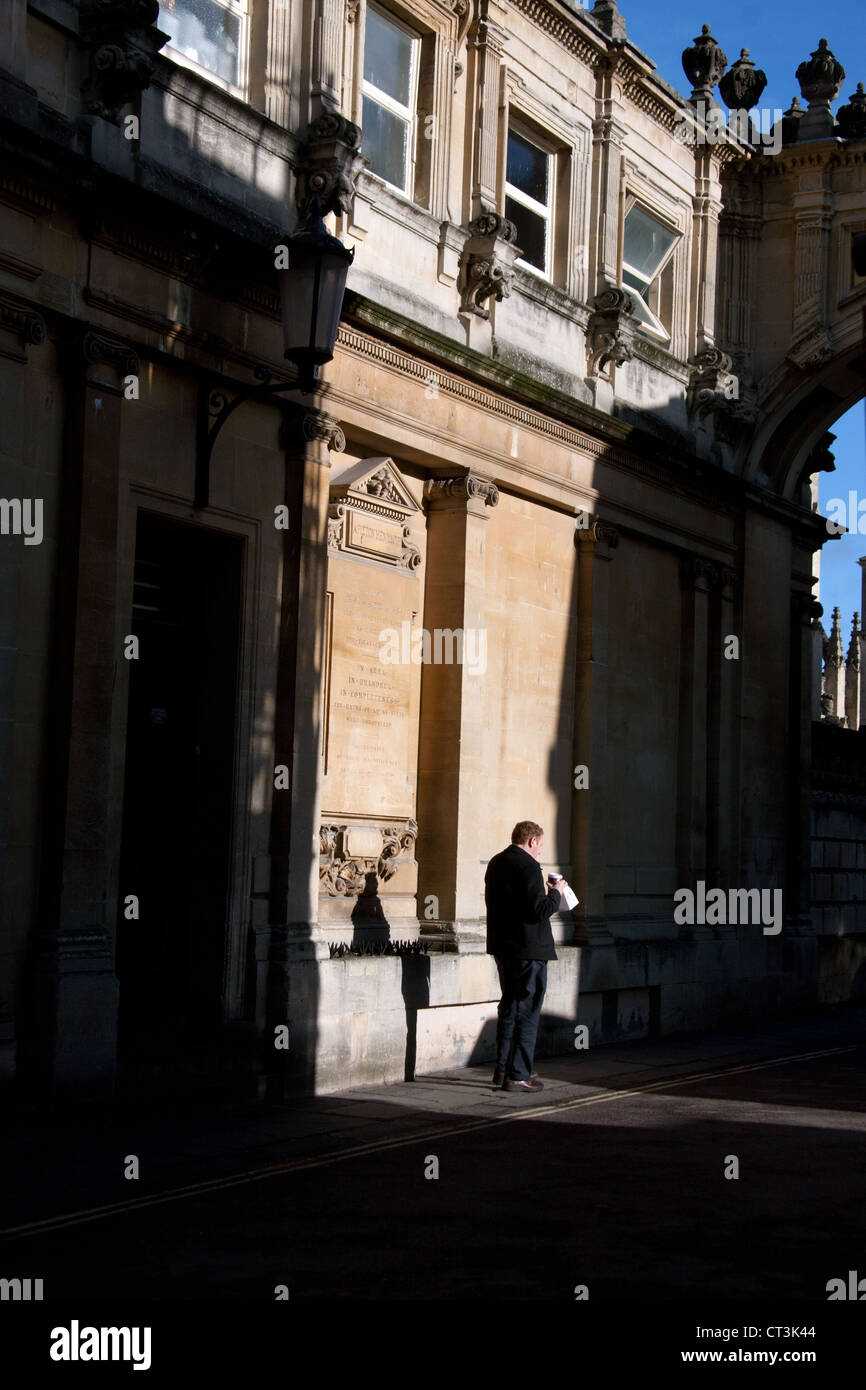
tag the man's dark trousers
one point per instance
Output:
(523, 983)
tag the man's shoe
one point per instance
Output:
(510, 1084)
(499, 1076)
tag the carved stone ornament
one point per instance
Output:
(318, 425)
(704, 64)
(123, 41)
(101, 350)
(344, 871)
(330, 165)
(811, 351)
(487, 263)
(369, 514)
(852, 117)
(465, 489)
(20, 327)
(713, 391)
(742, 84)
(821, 78)
(610, 330)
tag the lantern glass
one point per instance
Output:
(312, 291)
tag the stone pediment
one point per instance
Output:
(375, 485)
(369, 511)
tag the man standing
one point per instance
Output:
(521, 941)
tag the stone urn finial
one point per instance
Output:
(704, 64)
(742, 85)
(852, 117)
(791, 122)
(821, 78)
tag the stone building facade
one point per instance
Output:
(540, 545)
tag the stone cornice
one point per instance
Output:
(566, 28)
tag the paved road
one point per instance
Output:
(613, 1178)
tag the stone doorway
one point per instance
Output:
(178, 792)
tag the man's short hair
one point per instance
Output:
(525, 830)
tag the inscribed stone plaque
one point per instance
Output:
(377, 535)
(373, 717)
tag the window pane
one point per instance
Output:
(527, 167)
(385, 142)
(387, 57)
(531, 232)
(646, 242)
(206, 32)
(639, 286)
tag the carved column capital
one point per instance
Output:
(316, 425)
(487, 263)
(698, 573)
(470, 493)
(123, 41)
(610, 330)
(20, 327)
(330, 165)
(108, 361)
(599, 534)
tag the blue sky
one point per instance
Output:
(779, 38)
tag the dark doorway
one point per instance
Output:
(177, 809)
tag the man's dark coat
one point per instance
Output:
(518, 907)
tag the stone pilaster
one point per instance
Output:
(487, 38)
(452, 784)
(287, 946)
(592, 805)
(804, 610)
(696, 576)
(76, 989)
(281, 106)
(328, 27)
(608, 136)
(724, 807)
(813, 220)
(706, 207)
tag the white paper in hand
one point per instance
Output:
(571, 899)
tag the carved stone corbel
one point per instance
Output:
(330, 165)
(610, 330)
(714, 391)
(487, 263)
(123, 41)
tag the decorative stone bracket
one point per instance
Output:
(711, 392)
(330, 165)
(487, 263)
(348, 854)
(610, 331)
(123, 41)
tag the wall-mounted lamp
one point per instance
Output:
(311, 291)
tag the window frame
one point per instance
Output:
(546, 212)
(242, 10)
(408, 114)
(655, 327)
